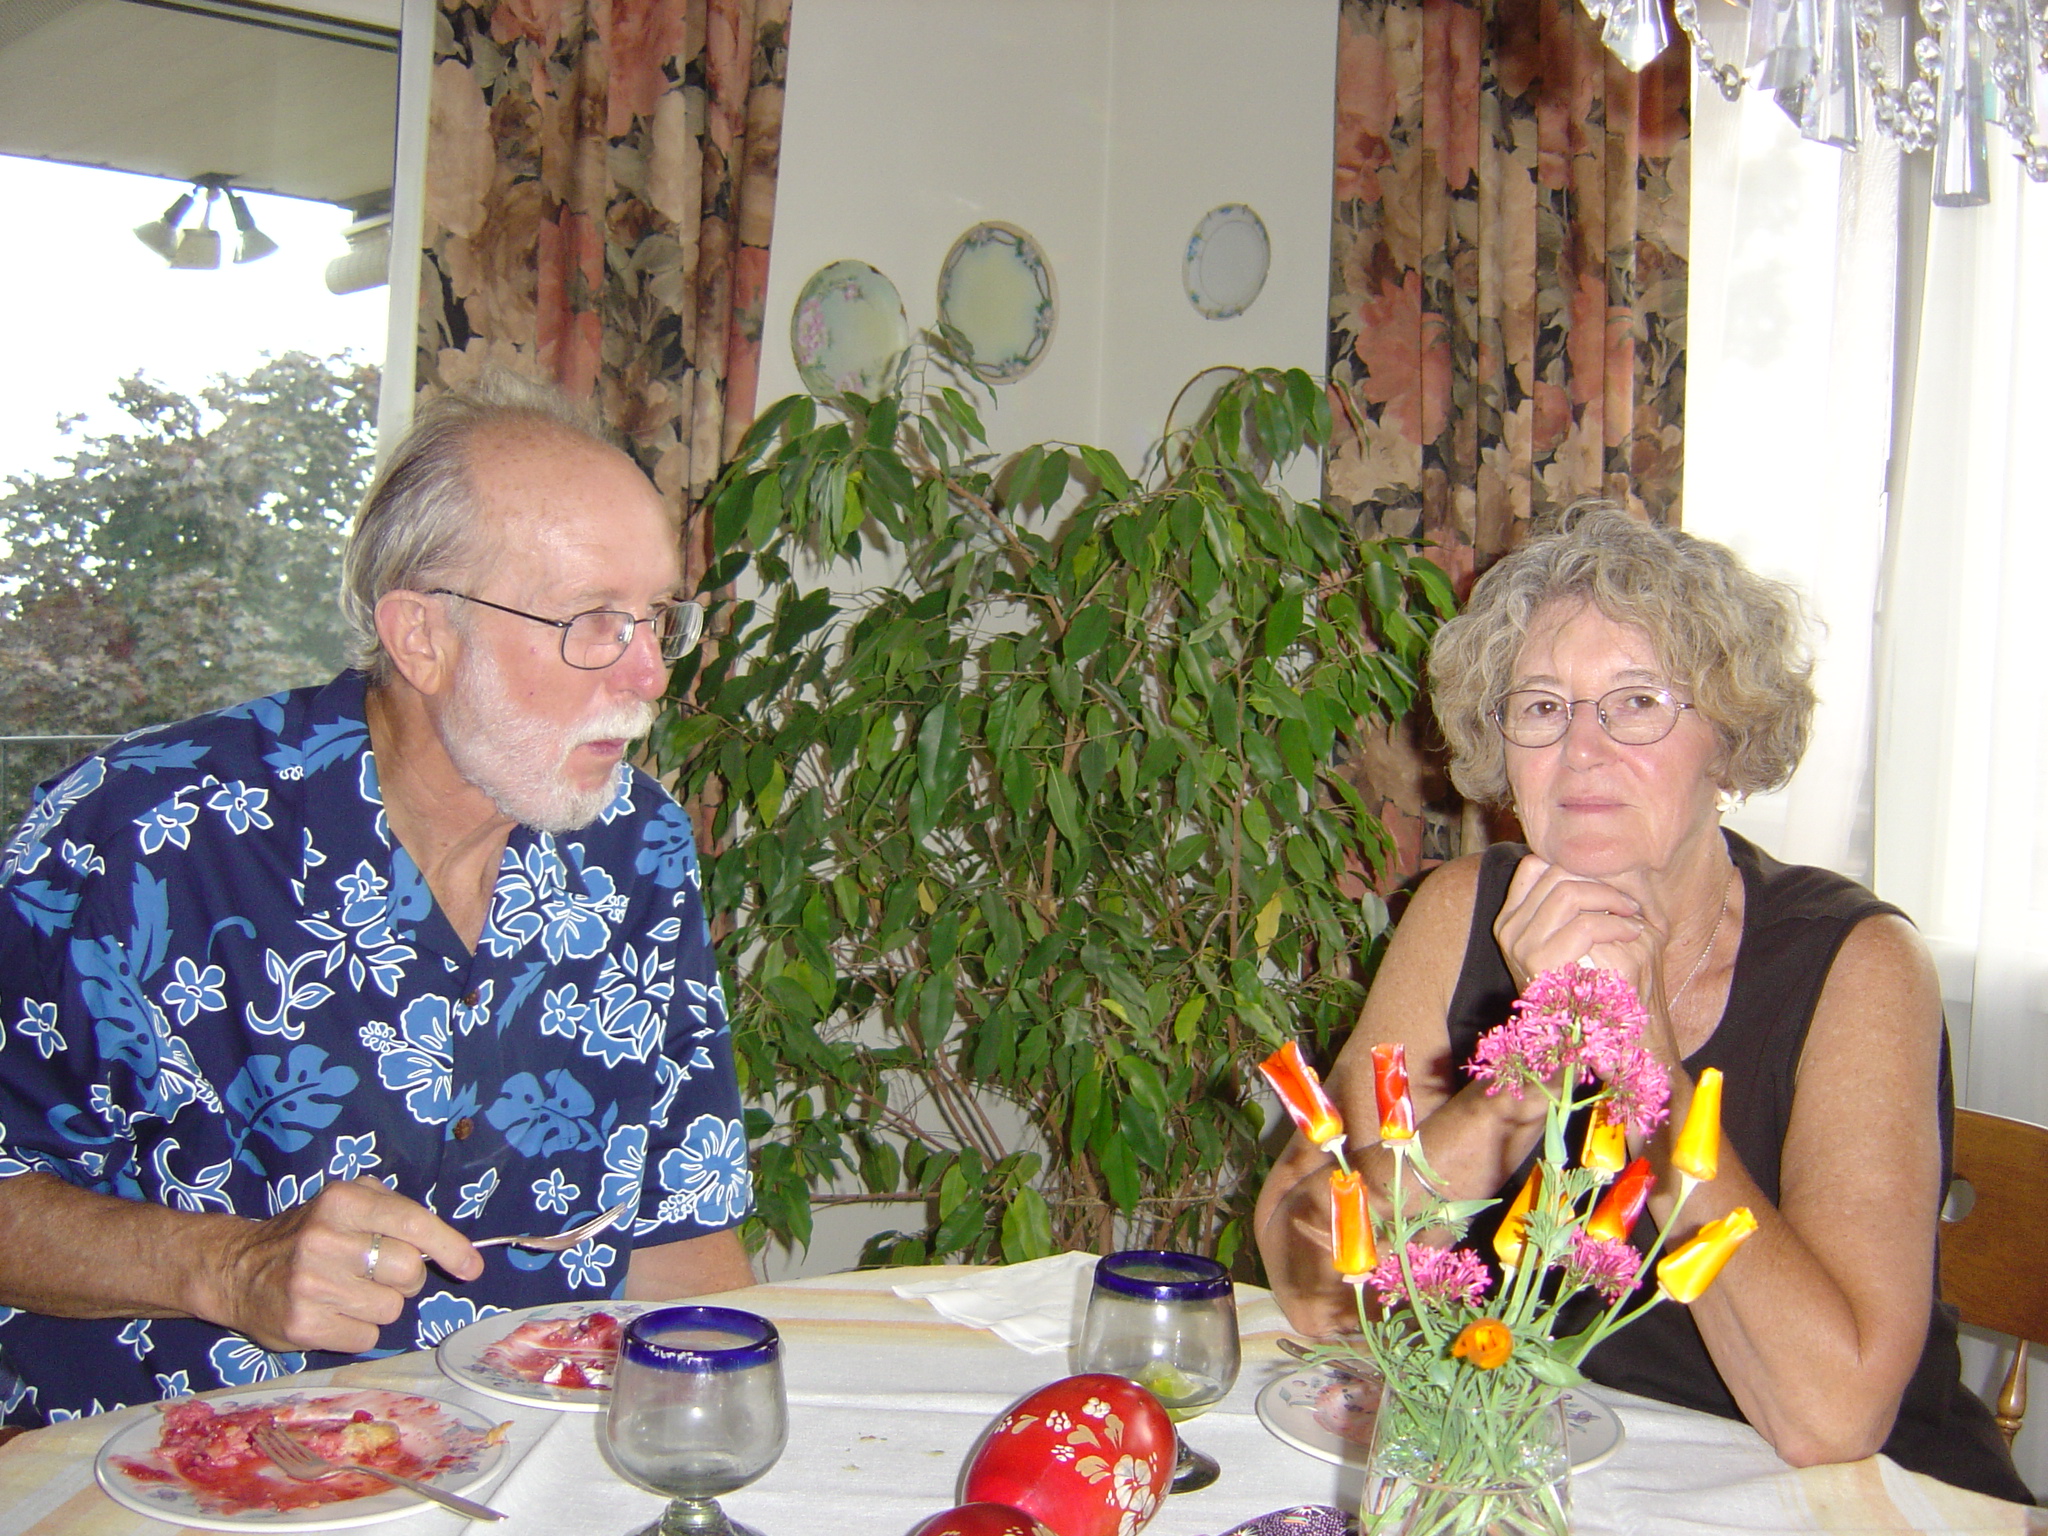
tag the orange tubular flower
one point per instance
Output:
(1685, 1273)
(1508, 1236)
(1606, 1148)
(1615, 1216)
(1351, 1245)
(1697, 1152)
(1301, 1091)
(1486, 1344)
(1390, 1087)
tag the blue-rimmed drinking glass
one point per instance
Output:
(697, 1410)
(1167, 1321)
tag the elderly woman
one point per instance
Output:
(1618, 683)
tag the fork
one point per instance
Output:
(561, 1242)
(302, 1465)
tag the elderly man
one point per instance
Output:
(301, 997)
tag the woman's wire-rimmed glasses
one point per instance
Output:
(1634, 716)
(594, 640)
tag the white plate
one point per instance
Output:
(1329, 1415)
(1226, 263)
(848, 331)
(178, 1504)
(996, 290)
(461, 1357)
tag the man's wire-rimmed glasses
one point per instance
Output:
(594, 640)
(1635, 715)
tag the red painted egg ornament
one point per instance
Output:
(1088, 1455)
(982, 1520)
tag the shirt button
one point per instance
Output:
(460, 1129)
(471, 999)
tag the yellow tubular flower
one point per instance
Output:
(1351, 1245)
(1697, 1152)
(1685, 1273)
(1606, 1148)
(1485, 1343)
(1508, 1236)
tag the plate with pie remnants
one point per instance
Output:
(195, 1463)
(558, 1355)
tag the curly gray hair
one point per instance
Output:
(419, 524)
(1736, 642)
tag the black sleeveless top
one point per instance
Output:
(1794, 921)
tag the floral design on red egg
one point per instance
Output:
(1089, 1456)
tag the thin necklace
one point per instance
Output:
(1671, 1008)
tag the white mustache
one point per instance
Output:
(626, 723)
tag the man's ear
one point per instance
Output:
(423, 646)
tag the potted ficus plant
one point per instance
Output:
(1019, 852)
(1469, 1436)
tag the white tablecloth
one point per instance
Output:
(886, 1399)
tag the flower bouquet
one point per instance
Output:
(1469, 1436)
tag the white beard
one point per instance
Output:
(520, 761)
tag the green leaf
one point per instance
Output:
(1027, 1227)
(1547, 1368)
(764, 513)
(1059, 799)
(1108, 473)
(1292, 739)
(1052, 477)
(938, 750)
(1119, 1171)
(1085, 636)
(1283, 623)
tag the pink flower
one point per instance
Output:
(1605, 1264)
(1639, 1089)
(1443, 1276)
(1584, 1019)
(1525, 1052)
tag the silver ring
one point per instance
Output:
(370, 1259)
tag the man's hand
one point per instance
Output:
(304, 1280)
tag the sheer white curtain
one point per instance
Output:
(1910, 503)
(1963, 668)
(1789, 389)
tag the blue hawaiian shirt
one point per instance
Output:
(223, 983)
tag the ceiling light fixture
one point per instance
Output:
(254, 245)
(198, 249)
(161, 234)
(1828, 63)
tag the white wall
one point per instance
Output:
(1105, 128)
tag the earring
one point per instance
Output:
(1728, 801)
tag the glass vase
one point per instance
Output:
(1465, 1463)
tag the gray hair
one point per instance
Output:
(1735, 641)
(420, 522)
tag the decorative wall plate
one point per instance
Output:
(848, 330)
(1227, 260)
(996, 290)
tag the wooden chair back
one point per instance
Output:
(1994, 1259)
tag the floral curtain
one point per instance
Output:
(1507, 305)
(1508, 270)
(600, 191)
